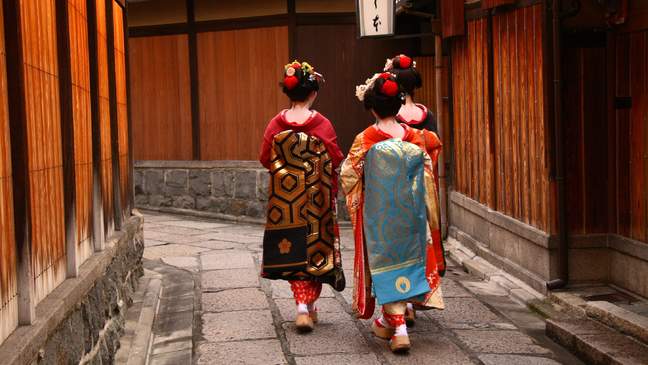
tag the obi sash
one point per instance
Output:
(300, 240)
(395, 220)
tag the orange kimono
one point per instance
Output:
(353, 185)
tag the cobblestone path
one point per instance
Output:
(242, 319)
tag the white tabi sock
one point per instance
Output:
(302, 308)
(410, 306)
(401, 330)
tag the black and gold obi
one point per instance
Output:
(300, 237)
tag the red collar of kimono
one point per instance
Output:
(374, 135)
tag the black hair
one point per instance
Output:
(406, 75)
(305, 86)
(409, 79)
(383, 105)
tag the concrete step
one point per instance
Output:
(135, 344)
(595, 343)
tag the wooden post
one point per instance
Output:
(67, 135)
(131, 192)
(98, 233)
(118, 212)
(193, 76)
(20, 168)
(438, 79)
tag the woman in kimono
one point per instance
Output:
(300, 151)
(391, 197)
(419, 117)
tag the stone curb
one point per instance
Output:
(482, 269)
(139, 346)
(611, 315)
(595, 343)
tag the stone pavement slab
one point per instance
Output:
(227, 279)
(171, 250)
(256, 352)
(516, 360)
(234, 299)
(428, 348)
(328, 338)
(227, 260)
(240, 325)
(502, 342)
(338, 359)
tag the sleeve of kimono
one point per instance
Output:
(330, 139)
(352, 168)
(431, 196)
(432, 145)
(266, 145)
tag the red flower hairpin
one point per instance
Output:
(389, 88)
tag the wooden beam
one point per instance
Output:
(131, 193)
(19, 153)
(326, 19)
(67, 136)
(489, 4)
(114, 121)
(194, 82)
(98, 232)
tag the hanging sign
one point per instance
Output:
(375, 17)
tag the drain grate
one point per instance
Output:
(612, 298)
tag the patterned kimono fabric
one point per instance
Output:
(392, 201)
(427, 128)
(301, 243)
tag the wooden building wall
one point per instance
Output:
(51, 98)
(630, 148)
(229, 78)
(8, 280)
(161, 89)
(500, 127)
(239, 90)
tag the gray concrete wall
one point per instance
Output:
(82, 319)
(221, 189)
(531, 255)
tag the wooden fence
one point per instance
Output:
(500, 127)
(56, 145)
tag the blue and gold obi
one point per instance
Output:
(395, 220)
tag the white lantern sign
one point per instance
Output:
(375, 17)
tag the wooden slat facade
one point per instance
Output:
(8, 282)
(500, 140)
(473, 158)
(80, 72)
(122, 105)
(238, 86)
(51, 106)
(104, 117)
(631, 137)
(160, 65)
(45, 165)
(523, 170)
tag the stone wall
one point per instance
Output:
(82, 319)
(222, 189)
(532, 255)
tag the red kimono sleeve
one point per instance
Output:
(266, 144)
(329, 137)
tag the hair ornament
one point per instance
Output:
(290, 82)
(389, 65)
(404, 62)
(389, 88)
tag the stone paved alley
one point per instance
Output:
(240, 319)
